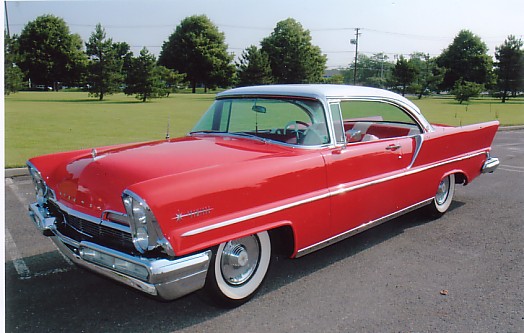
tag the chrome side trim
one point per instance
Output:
(333, 191)
(360, 228)
(255, 215)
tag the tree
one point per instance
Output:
(404, 74)
(106, 60)
(371, 71)
(509, 67)
(49, 53)
(292, 57)
(464, 90)
(253, 67)
(429, 74)
(335, 79)
(466, 59)
(13, 76)
(198, 49)
(168, 79)
(147, 80)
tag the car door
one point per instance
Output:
(365, 172)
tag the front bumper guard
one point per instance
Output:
(164, 278)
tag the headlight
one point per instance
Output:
(41, 189)
(145, 231)
(140, 220)
(142, 237)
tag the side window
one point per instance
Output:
(375, 120)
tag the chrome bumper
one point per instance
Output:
(164, 278)
(490, 165)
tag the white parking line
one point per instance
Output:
(16, 191)
(19, 263)
(511, 168)
(12, 250)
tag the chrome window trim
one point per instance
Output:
(332, 191)
(321, 101)
(419, 139)
(423, 125)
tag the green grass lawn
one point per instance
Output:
(37, 123)
(446, 110)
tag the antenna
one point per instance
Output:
(167, 131)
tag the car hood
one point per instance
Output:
(93, 182)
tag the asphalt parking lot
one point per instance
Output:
(461, 273)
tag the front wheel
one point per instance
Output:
(238, 268)
(443, 197)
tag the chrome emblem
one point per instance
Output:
(193, 213)
(93, 153)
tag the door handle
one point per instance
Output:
(393, 147)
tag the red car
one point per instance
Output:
(291, 168)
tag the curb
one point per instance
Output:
(511, 128)
(18, 172)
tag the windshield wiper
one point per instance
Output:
(248, 135)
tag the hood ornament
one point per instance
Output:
(93, 153)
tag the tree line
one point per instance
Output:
(464, 69)
(47, 54)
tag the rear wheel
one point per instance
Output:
(238, 268)
(443, 197)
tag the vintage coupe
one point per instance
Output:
(292, 168)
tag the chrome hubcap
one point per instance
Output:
(442, 192)
(239, 260)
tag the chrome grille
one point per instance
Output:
(81, 229)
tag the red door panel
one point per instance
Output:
(363, 180)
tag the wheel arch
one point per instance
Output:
(461, 176)
(283, 240)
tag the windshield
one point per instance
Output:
(290, 121)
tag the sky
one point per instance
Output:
(393, 27)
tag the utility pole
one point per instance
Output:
(355, 41)
(7, 19)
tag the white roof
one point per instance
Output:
(320, 91)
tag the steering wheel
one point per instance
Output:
(296, 124)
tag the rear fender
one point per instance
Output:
(446, 143)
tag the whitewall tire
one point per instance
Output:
(443, 196)
(238, 268)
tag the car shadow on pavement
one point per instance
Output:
(286, 271)
(68, 298)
